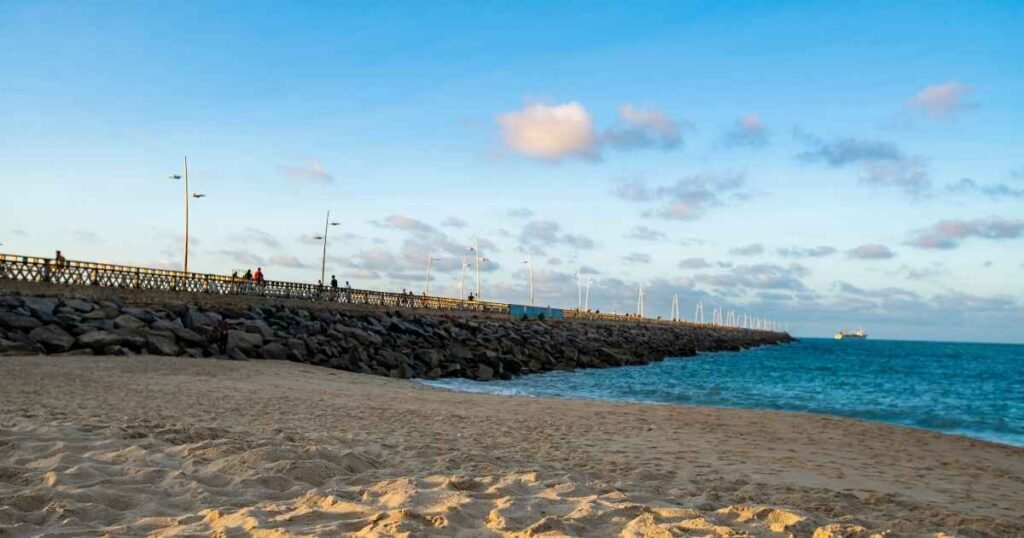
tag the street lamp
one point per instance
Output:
(462, 276)
(579, 289)
(187, 195)
(586, 298)
(479, 259)
(323, 260)
(640, 301)
(529, 271)
(426, 286)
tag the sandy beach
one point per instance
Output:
(183, 447)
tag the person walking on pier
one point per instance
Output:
(257, 278)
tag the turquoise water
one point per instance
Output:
(969, 389)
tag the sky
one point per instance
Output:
(828, 166)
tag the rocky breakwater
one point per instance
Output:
(392, 344)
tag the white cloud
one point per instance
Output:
(942, 101)
(313, 172)
(871, 251)
(748, 131)
(550, 132)
(643, 128)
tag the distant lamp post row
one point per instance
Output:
(188, 195)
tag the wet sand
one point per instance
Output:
(169, 447)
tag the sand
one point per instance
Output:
(184, 447)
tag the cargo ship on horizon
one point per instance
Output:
(859, 334)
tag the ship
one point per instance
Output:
(858, 334)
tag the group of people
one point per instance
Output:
(256, 278)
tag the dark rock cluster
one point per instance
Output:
(392, 344)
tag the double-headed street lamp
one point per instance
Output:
(323, 261)
(187, 196)
(479, 259)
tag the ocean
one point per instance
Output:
(975, 390)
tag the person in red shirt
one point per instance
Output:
(257, 277)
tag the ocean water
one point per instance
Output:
(975, 390)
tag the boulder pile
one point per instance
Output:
(396, 344)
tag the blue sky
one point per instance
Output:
(828, 165)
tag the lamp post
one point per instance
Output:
(323, 260)
(462, 277)
(426, 285)
(479, 259)
(586, 298)
(579, 289)
(529, 272)
(187, 196)
(640, 301)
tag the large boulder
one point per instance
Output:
(141, 314)
(248, 344)
(162, 344)
(193, 318)
(186, 336)
(258, 326)
(79, 305)
(276, 351)
(364, 337)
(124, 321)
(484, 373)
(99, 340)
(52, 338)
(41, 307)
(11, 320)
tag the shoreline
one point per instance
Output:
(170, 446)
(441, 384)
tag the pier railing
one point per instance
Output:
(83, 273)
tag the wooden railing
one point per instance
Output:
(81, 273)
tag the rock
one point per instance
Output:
(297, 346)
(187, 336)
(100, 324)
(276, 352)
(362, 336)
(18, 321)
(164, 325)
(427, 357)
(485, 373)
(192, 318)
(459, 352)
(79, 305)
(236, 354)
(98, 340)
(433, 374)
(402, 372)
(259, 327)
(141, 314)
(52, 338)
(40, 306)
(100, 314)
(390, 359)
(246, 343)
(124, 321)
(8, 347)
(117, 351)
(158, 344)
